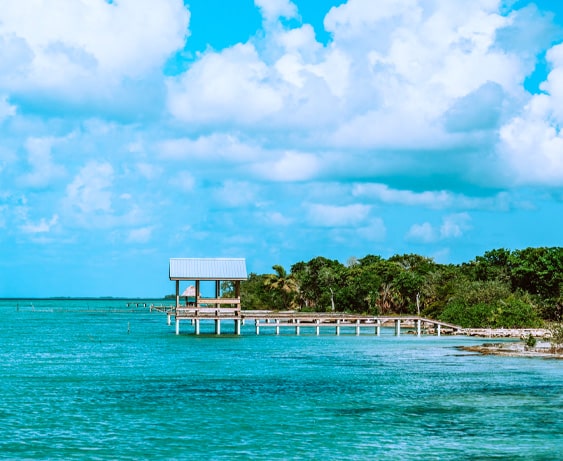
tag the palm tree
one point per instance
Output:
(283, 284)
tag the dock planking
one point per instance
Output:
(339, 323)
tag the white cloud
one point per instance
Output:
(531, 144)
(374, 230)
(291, 166)
(430, 199)
(424, 233)
(223, 146)
(6, 109)
(43, 169)
(272, 10)
(337, 216)
(382, 192)
(90, 192)
(141, 235)
(454, 226)
(61, 43)
(276, 219)
(183, 180)
(42, 227)
(230, 86)
(236, 193)
(149, 171)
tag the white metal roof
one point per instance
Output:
(208, 269)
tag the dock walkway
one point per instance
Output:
(297, 321)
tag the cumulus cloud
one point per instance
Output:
(6, 109)
(276, 219)
(140, 235)
(424, 233)
(42, 227)
(430, 199)
(531, 144)
(236, 193)
(373, 230)
(222, 146)
(453, 226)
(230, 86)
(90, 192)
(43, 171)
(290, 166)
(183, 180)
(337, 216)
(272, 10)
(406, 78)
(63, 43)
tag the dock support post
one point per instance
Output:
(378, 327)
(338, 327)
(297, 329)
(217, 326)
(237, 327)
(168, 319)
(398, 327)
(196, 322)
(438, 329)
(177, 326)
(317, 328)
(257, 325)
(277, 326)
(417, 327)
(357, 327)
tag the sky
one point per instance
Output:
(134, 131)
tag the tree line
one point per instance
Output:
(500, 289)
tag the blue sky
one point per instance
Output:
(133, 131)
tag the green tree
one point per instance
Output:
(284, 285)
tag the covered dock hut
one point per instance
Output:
(216, 270)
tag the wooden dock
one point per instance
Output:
(302, 322)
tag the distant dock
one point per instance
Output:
(301, 322)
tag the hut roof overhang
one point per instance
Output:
(208, 269)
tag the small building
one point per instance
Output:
(215, 270)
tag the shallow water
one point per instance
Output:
(96, 380)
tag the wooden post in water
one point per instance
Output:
(438, 329)
(297, 329)
(378, 327)
(277, 326)
(317, 328)
(357, 327)
(398, 327)
(217, 326)
(196, 323)
(177, 326)
(168, 318)
(237, 327)
(257, 326)
(417, 327)
(338, 327)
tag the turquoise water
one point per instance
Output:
(97, 380)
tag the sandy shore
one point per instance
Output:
(519, 349)
(538, 333)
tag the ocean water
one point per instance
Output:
(98, 380)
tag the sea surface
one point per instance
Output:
(101, 380)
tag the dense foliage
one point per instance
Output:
(501, 288)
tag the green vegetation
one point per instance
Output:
(502, 288)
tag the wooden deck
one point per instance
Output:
(299, 322)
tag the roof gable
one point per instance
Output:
(207, 269)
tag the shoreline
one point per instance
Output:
(542, 349)
(521, 333)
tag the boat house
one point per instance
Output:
(208, 270)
